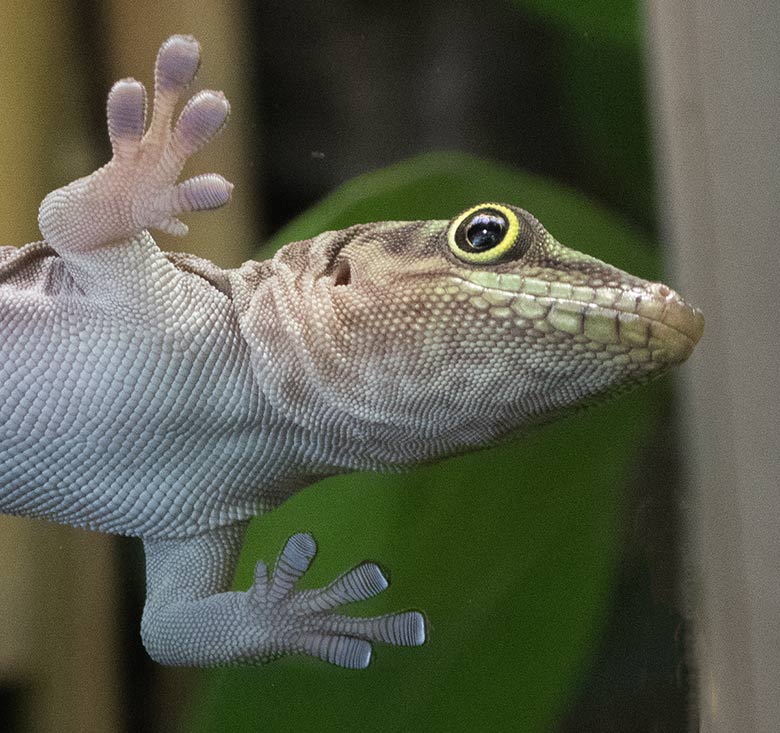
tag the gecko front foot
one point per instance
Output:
(303, 622)
(137, 189)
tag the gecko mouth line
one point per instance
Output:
(674, 313)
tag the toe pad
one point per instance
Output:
(177, 62)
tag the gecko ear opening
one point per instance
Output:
(343, 274)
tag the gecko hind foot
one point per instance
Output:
(303, 621)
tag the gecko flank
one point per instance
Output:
(159, 396)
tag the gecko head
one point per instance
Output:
(422, 339)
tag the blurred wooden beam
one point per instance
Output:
(715, 68)
(57, 585)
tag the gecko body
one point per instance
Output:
(159, 396)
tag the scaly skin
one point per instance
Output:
(159, 396)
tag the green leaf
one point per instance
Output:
(510, 552)
(614, 21)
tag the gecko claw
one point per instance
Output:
(172, 226)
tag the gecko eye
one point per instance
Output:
(485, 230)
(486, 234)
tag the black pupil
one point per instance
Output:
(486, 231)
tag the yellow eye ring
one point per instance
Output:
(484, 234)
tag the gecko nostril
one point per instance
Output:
(343, 275)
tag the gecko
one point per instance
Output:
(159, 396)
